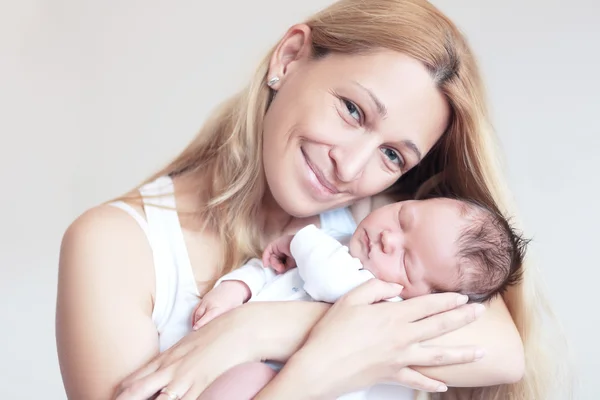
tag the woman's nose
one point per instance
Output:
(351, 160)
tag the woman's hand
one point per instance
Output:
(192, 364)
(358, 344)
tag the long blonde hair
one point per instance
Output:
(226, 155)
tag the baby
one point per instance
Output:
(426, 246)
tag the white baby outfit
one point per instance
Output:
(325, 271)
(176, 293)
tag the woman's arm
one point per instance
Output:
(353, 343)
(104, 328)
(381, 338)
(494, 332)
(350, 349)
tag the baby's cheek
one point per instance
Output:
(392, 275)
(411, 291)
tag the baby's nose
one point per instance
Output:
(387, 242)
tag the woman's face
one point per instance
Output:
(345, 127)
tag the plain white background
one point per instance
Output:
(96, 95)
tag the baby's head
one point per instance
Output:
(440, 245)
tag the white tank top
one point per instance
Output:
(176, 294)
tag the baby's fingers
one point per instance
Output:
(198, 314)
(415, 380)
(290, 263)
(207, 317)
(275, 263)
(266, 257)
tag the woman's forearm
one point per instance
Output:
(504, 360)
(284, 326)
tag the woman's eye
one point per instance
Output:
(393, 156)
(353, 110)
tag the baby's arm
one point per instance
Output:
(232, 290)
(325, 265)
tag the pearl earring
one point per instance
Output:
(273, 81)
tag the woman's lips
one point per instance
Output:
(319, 175)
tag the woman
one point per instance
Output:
(341, 109)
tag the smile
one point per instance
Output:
(320, 179)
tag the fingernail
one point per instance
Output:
(442, 388)
(479, 309)
(462, 300)
(479, 353)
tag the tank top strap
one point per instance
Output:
(176, 292)
(174, 276)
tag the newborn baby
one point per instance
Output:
(426, 246)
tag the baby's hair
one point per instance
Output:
(490, 254)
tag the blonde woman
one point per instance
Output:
(345, 106)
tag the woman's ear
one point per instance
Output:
(294, 48)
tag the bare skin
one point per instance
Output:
(108, 344)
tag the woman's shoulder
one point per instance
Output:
(104, 303)
(105, 243)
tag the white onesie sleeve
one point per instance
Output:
(252, 274)
(325, 265)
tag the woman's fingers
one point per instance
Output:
(177, 390)
(415, 380)
(194, 392)
(372, 291)
(139, 374)
(431, 356)
(145, 387)
(430, 304)
(437, 325)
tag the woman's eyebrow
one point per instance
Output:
(382, 111)
(381, 108)
(413, 147)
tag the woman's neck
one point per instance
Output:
(273, 220)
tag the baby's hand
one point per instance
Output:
(225, 297)
(278, 256)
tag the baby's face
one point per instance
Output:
(412, 243)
